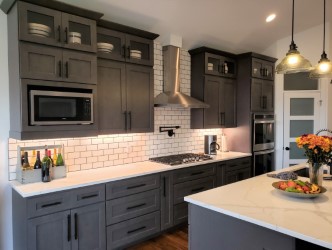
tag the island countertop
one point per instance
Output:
(255, 200)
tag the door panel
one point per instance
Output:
(256, 94)
(115, 38)
(301, 116)
(112, 97)
(139, 98)
(268, 95)
(49, 232)
(230, 106)
(211, 97)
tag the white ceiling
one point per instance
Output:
(232, 25)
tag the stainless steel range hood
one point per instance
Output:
(171, 96)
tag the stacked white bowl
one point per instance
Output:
(137, 54)
(39, 29)
(105, 47)
(74, 37)
(210, 66)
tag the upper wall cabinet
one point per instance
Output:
(219, 65)
(47, 26)
(262, 69)
(119, 46)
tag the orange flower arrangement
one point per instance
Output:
(317, 148)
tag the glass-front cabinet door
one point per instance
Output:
(262, 69)
(139, 50)
(38, 24)
(219, 65)
(79, 33)
(111, 44)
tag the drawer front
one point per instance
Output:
(238, 164)
(88, 195)
(130, 186)
(132, 206)
(180, 213)
(191, 187)
(129, 231)
(193, 173)
(49, 203)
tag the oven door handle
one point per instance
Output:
(264, 121)
(264, 152)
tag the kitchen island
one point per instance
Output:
(251, 214)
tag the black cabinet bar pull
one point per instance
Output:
(66, 35)
(89, 196)
(125, 115)
(136, 186)
(222, 118)
(135, 230)
(128, 52)
(129, 117)
(136, 206)
(164, 180)
(124, 51)
(76, 226)
(196, 173)
(51, 204)
(60, 68)
(67, 69)
(59, 33)
(68, 227)
(197, 189)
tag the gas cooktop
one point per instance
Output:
(181, 158)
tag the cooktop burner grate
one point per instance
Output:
(181, 158)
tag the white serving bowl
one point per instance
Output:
(74, 37)
(108, 46)
(39, 26)
(136, 54)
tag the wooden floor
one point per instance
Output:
(174, 240)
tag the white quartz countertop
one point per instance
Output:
(255, 200)
(113, 173)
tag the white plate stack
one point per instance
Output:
(210, 66)
(137, 54)
(38, 29)
(74, 37)
(105, 47)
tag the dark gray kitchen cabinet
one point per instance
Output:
(212, 81)
(262, 95)
(124, 45)
(49, 63)
(73, 219)
(125, 97)
(60, 25)
(166, 201)
(233, 171)
(262, 69)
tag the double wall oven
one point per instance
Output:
(263, 136)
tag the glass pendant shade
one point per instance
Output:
(323, 69)
(294, 62)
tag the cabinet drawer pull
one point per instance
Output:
(51, 204)
(135, 230)
(89, 196)
(136, 186)
(60, 68)
(125, 115)
(129, 117)
(76, 226)
(128, 49)
(136, 206)
(197, 173)
(66, 35)
(197, 189)
(124, 51)
(67, 69)
(59, 33)
(68, 227)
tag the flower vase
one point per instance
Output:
(316, 173)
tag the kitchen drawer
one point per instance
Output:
(130, 186)
(233, 165)
(180, 213)
(191, 187)
(132, 206)
(88, 195)
(48, 203)
(192, 173)
(129, 231)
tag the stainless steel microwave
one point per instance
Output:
(60, 108)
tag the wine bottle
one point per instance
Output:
(55, 157)
(38, 163)
(46, 168)
(50, 158)
(59, 160)
(26, 165)
(33, 158)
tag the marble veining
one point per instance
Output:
(256, 201)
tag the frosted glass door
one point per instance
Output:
(301, 116)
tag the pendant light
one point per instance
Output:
(324, 67)
(294, 62)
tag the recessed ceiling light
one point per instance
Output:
(270, 18)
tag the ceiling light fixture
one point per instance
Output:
(270, 18)
(294, 62)
(324, 67)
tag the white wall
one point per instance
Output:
(5, 190)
